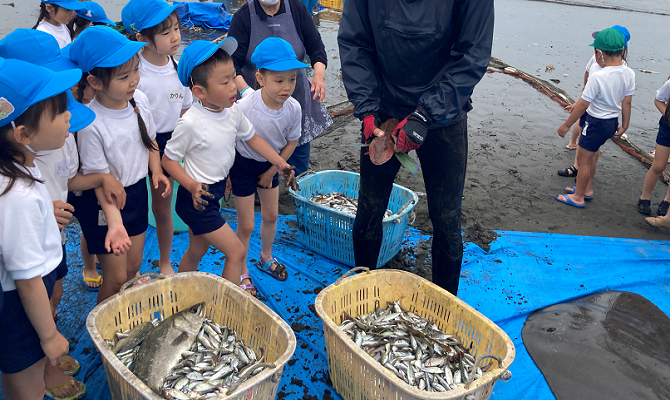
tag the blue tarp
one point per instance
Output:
(521, 273)
(204, 15)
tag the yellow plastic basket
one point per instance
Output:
(227, 304)
(338, 4)
(357, 376)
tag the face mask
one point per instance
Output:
(269, 2)
(27, 147)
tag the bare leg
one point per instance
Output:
(594, 162)
(89, 264)
(225, 241)
(657, 168)
(114, 268)
(162, 209)
(58, 382)
(576, 131)
(245, 227)
(135, 254)
(585, 158)
(57, 295)
(269, 212)
(197, 248)
(27, 384)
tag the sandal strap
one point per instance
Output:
(245, 276)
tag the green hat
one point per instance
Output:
(609, 40)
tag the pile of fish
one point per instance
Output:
(187, 356)
(413, 348)
(340, 202)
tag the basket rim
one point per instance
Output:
(145, 390)
(405, 212)
(493, 374)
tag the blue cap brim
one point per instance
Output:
(284, 65)
(69, 4)
(107, 21)
(63, 63)
(82, 116)
(59, 82)
(229, 45)
(161, 16)
(122, 55)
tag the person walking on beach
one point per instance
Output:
(607, 95)
(417, 61)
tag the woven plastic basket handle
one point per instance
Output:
(351, 271)
(135, 279)
(477, 361)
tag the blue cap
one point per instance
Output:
(276, 54)
(101, 46)
(66, 4)
(198, 52)
(94, 13)
(40, 48)
(139, 15)
(23, 84)
(619, 28)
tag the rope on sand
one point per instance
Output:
(562, 98)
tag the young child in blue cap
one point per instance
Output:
(156, 23)
(92, 15)
(277, 118)
(33, 118)
(205, 138)
(55, 15)
(607, 95)
(120, 141)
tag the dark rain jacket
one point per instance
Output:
(402, 55)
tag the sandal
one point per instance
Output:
(49, 392)
(66, 360)
(572, 190)
(277, 273)
(98, 280)
(663, 208)
(570, 171)
(248, 286)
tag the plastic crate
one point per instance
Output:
(227, 304)
(328, 231)
(356, 375)
(337, 4)
(178, 224)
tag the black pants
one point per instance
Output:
(443, 158)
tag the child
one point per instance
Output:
(120, 141)
(592, 66)
(55, 15)
(276, 118)
(156, 23)
(607, 94)
(92, 15)
(205, 138)
(33, 118)
(661, 157)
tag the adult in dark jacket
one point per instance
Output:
(417, 61)
(291, 21)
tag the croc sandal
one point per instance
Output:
(572, 190)
(66, 360)
(279, 271)
(568, 201)
(49, 392)
(248, 286)
(571, 171)
(89, 288)
(567, 146)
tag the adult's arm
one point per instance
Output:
(470, 56)
(359, 59)
(240, 29)
(308, 33)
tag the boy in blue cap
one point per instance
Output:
(55, 15)
(607, 95)
(205, 138)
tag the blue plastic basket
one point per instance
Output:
(328, 231)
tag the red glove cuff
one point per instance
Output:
(403, 143)
(369, 127)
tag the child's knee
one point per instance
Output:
(657, 168)
(236, 252)
(245, 228)
(162, 213)
(270, 217)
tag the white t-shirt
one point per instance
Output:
(276, 127)
(112, 143)
(167, 96)
(606, 89)
(30, 243)
(663, 94)
(59, 166)
(592, 66)
(61, 33)
(206, 141)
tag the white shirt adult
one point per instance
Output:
(112, 143)
(663, 94)
(606, 89)
(61, 33)
(167, 96)
(206, 141)
(276, 127)
(30, 243)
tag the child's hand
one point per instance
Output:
(229, 185)
(569, 108)
(114, 191)
(620, 132)
(117, 240)
(265, 180)
(563, 129)
(199, 191)
(160, 178)
(289, 175)
(63, 213)
(54, 347)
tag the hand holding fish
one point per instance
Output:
(289, 175)
(198, 191)
(371, 128)
(54, 347)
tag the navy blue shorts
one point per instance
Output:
(20, 343)
(161, 141)
(207, 220)
(663, 137)
(244, 175)
(596, 132)
(62, 269)
(582, 119)
(135, 216)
